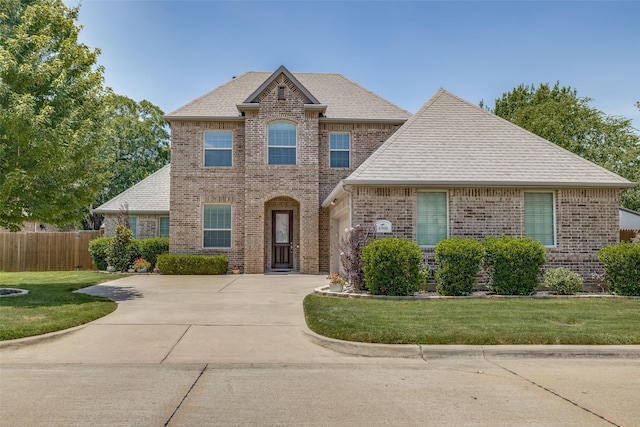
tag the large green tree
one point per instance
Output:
(138, 146)
(559, 115)
(52, 115)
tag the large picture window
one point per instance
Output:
(218, 148)
(217, 226)
(539, 217)
(282, 143)
(432, 217)
(339, 150)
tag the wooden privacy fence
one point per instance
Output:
(46, 251)
(627, 235)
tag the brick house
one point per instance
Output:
(270, 168)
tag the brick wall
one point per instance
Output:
(586, 219)
(146, 225)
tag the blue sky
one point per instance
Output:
(170, 52)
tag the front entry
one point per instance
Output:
(282, 240)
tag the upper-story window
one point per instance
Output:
(218, 148)
(282, 143)
(339, 150)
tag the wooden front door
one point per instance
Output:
(282, 240)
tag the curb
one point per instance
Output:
(432, 352)
(36, 339)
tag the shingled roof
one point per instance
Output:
(344, 99)
(149, 196)
(451, 142)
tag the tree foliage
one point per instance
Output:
(559, 115)
(138, 145)
(52, 115)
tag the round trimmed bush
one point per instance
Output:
(98, 250)
(622, 268)
(514, 264)
(563, 281)
(458, 261)
(392, 266)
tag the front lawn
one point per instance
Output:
(51, 304)
(476, 321)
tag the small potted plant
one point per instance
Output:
(141, 265)
(336, 282)
(235, 269)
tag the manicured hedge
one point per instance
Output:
(148, 249)
(192, 264)
(458, 261)
(392, 266)
(514, 264)
(151, 248)
(622, 268)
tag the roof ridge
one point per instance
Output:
(406, 125)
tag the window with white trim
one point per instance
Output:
(282, 143)
(163, 226)
(218, 148)
(339, 150)
(539, 218)
(217, 226)
(432, 217)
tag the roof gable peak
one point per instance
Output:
(253, 98)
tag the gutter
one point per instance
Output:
(484, 184)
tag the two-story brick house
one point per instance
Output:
(252, 161)
(270, 168)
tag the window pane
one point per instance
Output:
(217, 140)
(339, 141)
(282, 156)
(217, 239)
(133, 223)
(538, 217)
(164, 226)
(339, 159)
(282, 134)
(432, 218)
(217, 157)
(217, 216)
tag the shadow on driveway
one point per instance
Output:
(116, 293)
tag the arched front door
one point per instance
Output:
(282, 240)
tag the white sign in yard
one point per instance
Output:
(383, 226)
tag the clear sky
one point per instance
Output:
(170, 52)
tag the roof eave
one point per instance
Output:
(361, 120)
(484, 184)
(337, 191)
(237, 118)
(131, 212)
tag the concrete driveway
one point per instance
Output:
(234, 350)
(188, 319)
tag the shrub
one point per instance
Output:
(98, 250)
(392, 266)
(120, 252)
(563, 281)
(513, 264)
(622, 268)
(458, 262)
(192, 264)
(152, 247)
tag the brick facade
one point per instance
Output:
(146, 225)
(586, 220)
(254, 189)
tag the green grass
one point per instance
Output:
(476, 321)
(51, 304)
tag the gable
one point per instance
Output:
(282, 76)
(452, 142)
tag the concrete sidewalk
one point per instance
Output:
(232, 319)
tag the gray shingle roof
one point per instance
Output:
(450, 141)
(149, 196)
(344, 99)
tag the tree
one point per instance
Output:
(52, 115)
(559, 115)
(138, 146)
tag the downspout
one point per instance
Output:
(344, 188)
